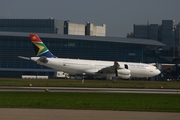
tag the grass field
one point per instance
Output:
(90, 83)
(92, 101)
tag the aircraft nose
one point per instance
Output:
(158, 71)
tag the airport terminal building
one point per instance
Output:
(14, 44)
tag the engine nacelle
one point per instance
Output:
(121, 67)
(124, 76)
(124, 71)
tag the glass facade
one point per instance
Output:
(147, 31)
(167, 33)
(95, 50)
(32, 25)
(13, 46)
(153, 32)
(141, 31)
(164, 33)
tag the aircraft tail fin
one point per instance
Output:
(39, 47)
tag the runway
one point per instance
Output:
(62, 114)
(100, 90)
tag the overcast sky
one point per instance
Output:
(118, 15)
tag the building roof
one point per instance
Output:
(147, 42)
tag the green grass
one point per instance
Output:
(89, 83)
(91, 101)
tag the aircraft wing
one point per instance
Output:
(110, 69)
(116, 71)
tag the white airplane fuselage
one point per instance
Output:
(91, 67)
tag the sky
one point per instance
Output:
(118, 15)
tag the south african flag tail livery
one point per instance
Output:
(39, 47)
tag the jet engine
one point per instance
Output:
(123, 72)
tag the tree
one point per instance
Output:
(130, 35)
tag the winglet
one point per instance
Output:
(39, 47)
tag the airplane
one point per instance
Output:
(123, 70)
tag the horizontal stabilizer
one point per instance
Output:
(24, 57)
